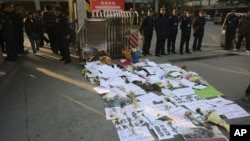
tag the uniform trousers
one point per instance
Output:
(184, 39)
(146, 44)
(171, 43)
(160, 46)
(240, 39)
(52, 39)
(230, 34)
(197, 42)
(63, 45)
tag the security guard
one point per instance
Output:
(186, 24)
(162, 32)
(146, 30)
(241, 36)
(49, 23)
(9, 32)
(63, 35)
(173, 25)
(142, 15)
(231, 24)
(17, 19)
(199, 28)
(244, 31)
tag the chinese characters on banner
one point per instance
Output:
(97, 5)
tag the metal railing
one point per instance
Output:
(118, 26)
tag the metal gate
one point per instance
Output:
(109, 31)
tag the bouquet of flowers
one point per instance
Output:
(213, 117)
(133, 99)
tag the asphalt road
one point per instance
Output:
(43, 100)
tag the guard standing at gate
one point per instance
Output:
(173, 24)
(186, 24)
(146, 30)
(231, 24)
(62, 35)
(162, 32)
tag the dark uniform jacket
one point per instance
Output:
(199, 26)
(146, 28)
(173, 24)
(18, 22)
(62, 26)
(162, 26)
(142, 16)
(232, 22)
(244, 26)
(186, 24)
(48, 20)
(8, 27)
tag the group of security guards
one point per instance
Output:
(166, 28)
(57, 27)
(11, 31)
(53, 21)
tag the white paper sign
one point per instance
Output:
(232, 111)
(162, 131)
(183, 91)
(219, 101)
(136, 134)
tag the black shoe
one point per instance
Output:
(174, 52)
(149, 54)
(158, 55)
(188, 52)
(66, 62)
(164, 54)
(181, 53)
(199, 49)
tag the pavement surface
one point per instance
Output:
(43, 100)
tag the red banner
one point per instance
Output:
(97, 5)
